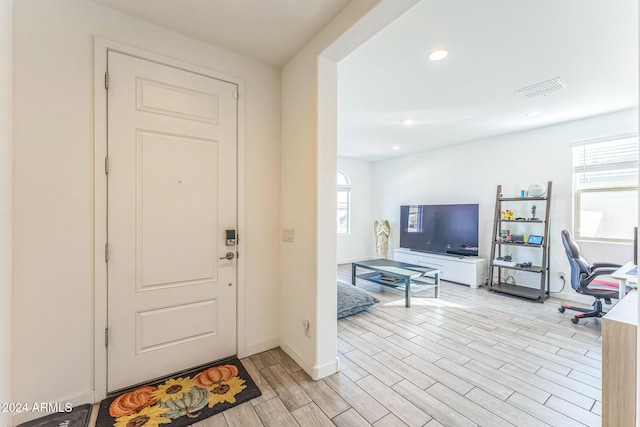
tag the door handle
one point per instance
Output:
(229, 256)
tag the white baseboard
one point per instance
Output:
(574, 297)
(77, 400)
(258, 347)
(325, 370)
(297, 357)
(316, 372)
(349, 261)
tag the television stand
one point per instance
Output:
(451, 255)
(471, 271)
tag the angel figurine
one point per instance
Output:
(382, 228)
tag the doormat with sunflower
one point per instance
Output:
(180, 400)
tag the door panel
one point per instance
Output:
(171, 196)
(175, 325)
(176, 187)
(162, 98)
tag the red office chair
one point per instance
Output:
(583, 280)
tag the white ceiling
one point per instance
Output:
(495, 47)
(272, 31)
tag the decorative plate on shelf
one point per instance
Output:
(537, 190)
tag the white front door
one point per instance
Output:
(171, 197)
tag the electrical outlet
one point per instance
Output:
(305, 325)
(561, 274)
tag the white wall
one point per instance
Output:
(6, 177)
(309, 121)
(303, 178)
(469, 173)
(360, 243)
(53, 315)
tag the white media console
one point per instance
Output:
(470, 271)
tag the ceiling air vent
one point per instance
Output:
(543, 88)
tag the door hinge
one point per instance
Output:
(106, 253)
(106, 166)
(106, 80)
(236, 95)
(106, 337)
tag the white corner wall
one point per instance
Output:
(6, 180)
(469, 173)
(304, 178)
(53, 298)
(359, 244)
(309, 118)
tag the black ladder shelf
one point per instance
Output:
(499, 246)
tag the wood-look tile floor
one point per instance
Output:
(470, 358)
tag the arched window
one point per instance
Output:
(344, 203)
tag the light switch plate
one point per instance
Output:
(287, 235)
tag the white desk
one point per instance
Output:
(624, 278)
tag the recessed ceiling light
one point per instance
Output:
(396, 147)
(407, 122)
(534, 113)
(438, 54)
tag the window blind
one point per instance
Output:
(611, 164)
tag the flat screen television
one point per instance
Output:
(441, 229)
